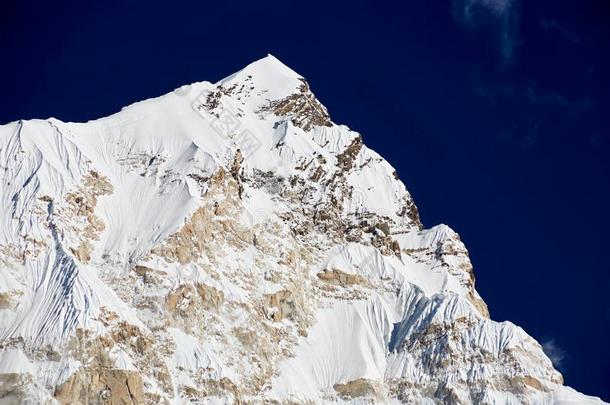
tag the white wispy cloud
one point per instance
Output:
(552, 26)
(502, 15)
(535, 96)
(555, 353)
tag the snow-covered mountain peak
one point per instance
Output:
(229, 243)
(270, 71)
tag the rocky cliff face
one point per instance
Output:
(229, 243)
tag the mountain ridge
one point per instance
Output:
(213, 243)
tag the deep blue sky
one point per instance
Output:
(496, 114)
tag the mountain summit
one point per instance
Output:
(229, 243)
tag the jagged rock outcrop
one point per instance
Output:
(103, 386)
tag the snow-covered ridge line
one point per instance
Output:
(229, 243)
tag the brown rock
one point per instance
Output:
(361, 387)
(101, 386)
(283, 302)
(338, 277)
(211, 298)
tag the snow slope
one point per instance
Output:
(228, 242)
